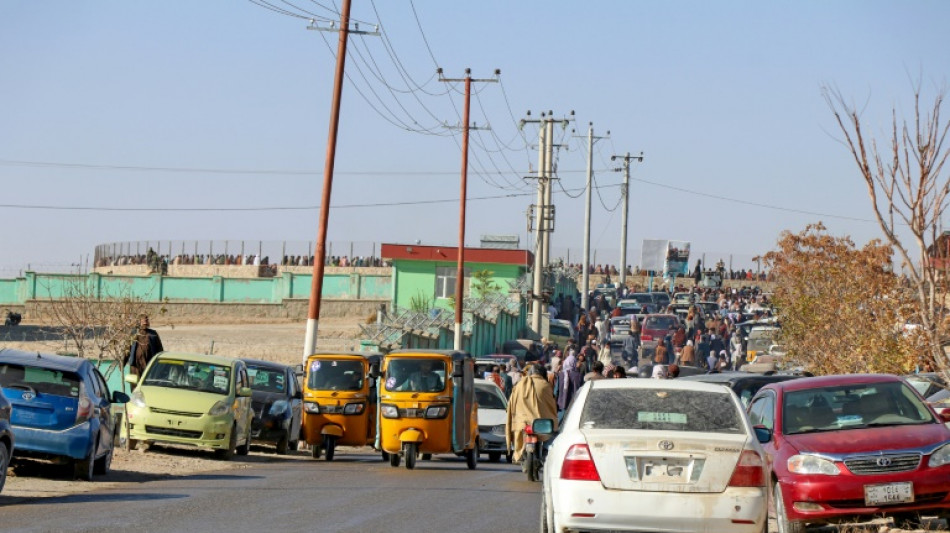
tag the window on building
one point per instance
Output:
(445, 281)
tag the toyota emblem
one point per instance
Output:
(28, 396)
(883, 461)
(666, 445)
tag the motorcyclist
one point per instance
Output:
(531, 398)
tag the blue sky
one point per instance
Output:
(224, 104)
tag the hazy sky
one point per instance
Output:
(213, 105)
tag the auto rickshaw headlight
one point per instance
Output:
(311, 407)
(437, 411)
(354, 408)
(389, 411)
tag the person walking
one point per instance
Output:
(145, 344)
(530, 399)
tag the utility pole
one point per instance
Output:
(316, 284)
(585, 277)
(460, 271)
(625, 201)
(544, 209)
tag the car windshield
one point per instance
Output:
(761, 338)
(488, 399)
(642, 298)
(192, 375)
(267, 379)
(559, 330)
(41, 380)
(333, 374)
(415, 375)
(852, 406)
(659, 322)
(661, 410)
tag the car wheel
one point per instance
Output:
(410, 449)
(471, 458)
(228, 454)
(330, 442)
(83, 468)
(393, 459)
(245, 448)
(781, 518)
(494, 457)
(4, 463)
(543, 523)
(283, 445)
(103, 465)
(907, 520)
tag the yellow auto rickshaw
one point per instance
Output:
(427, 406)
(339, 394)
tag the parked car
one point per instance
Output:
(62, 409)
(634, 307)
(927, 383)
(643, 298)
(524, 349)
(654, 328)
(6, 438)
(484, 364)
(850, 448)
(760, 340)
(685, 298)
(277, 404)
(560, 331)
(744, 384)
(654, 455)
(193, 399)
(709, 308)
(492, 413)
(661, 298)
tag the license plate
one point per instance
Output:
(888, 493)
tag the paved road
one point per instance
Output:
(353, 493)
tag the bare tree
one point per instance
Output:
(907, 188)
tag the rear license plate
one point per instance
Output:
(888, 493)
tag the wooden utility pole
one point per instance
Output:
(460, 271)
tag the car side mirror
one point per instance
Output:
(762, 434)
(120, 397)
(244, 392)
(542, 426)
(132, 378)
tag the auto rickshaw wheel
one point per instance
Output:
(315, 450)
(411, 449)
(330, 442)
(393, 459)
(471, 458)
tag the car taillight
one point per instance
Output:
(578, 464)
(646, 337)
(84, 411)
(749, 472)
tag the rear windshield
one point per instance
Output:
(192, 375)
(267, 379)
(335, 375)
(41, 380)
(659, 322)
(662, 410)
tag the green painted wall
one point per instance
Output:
(156, 288)
(416, 279)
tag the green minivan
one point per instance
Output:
(193, 399)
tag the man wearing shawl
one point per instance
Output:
(532, 398)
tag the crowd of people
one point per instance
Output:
(159, 262)
(720, 269)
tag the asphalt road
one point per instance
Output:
(354, 493)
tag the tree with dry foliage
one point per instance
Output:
(840, 307)
(905, 180)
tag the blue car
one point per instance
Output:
(62, 409)
(6, 439)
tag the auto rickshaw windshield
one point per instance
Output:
(335, 375)
(415, 375)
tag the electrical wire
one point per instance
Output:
(267, 5)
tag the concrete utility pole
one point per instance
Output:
(460, 272)
(316, 284)
(625, 200)
(585, 277)
(544, 210)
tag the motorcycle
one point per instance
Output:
(12, 319)
(532, 459)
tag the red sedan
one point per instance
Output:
(854, 447)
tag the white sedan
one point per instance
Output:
(654, 455)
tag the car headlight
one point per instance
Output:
(811, 464)
(278, 408)
(389, 411)
(220, 408)
(498, 430)
(311, 407)
(354, 408)
(940, 457)
(138, 398)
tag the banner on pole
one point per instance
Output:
(677, 259)
(653, 255)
